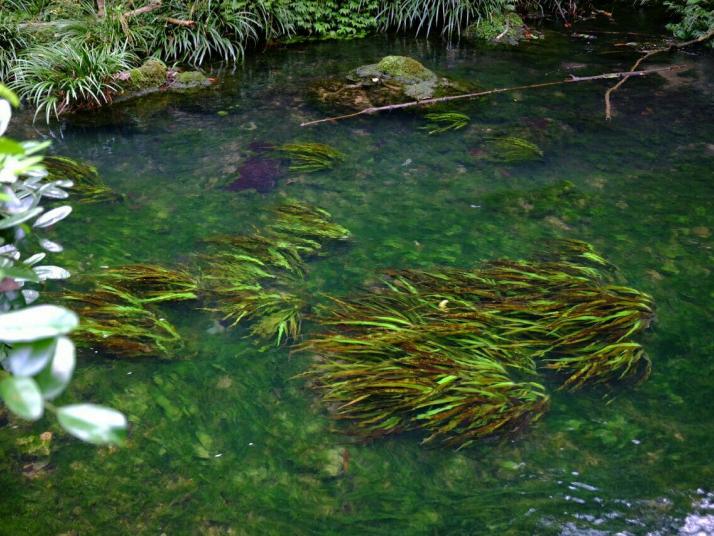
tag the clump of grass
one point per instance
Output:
(68, 76)
(445, 121)
(85, 179)
(559, 312)
(310, 157)
(511, 150)
(151, 283)
(116, 322)
(307, 227)
(257, 279)
(452, 396)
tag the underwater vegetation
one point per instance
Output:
(85, 179)
(455, 352)
(115, 321)
(310, 157)
(508, 150)
(445, 121)
(151, 283)
(259, 277)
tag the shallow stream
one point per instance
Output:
(225, 440)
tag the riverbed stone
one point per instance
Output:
(392, 80)
(503, 28)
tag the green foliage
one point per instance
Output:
(430, 348)
(511, 150)
(36, 353)
(446, 16)
(85, 179)
(221, 30)
(445, 121)
(120, 324)
(152, 283)
(696, 18)
(12, 42)
(67, 76)
(310, 157)
(258, 278)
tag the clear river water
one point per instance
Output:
(226, 440)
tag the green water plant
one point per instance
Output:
(310, 157)
(120, 324)
(36, 352)
(559, 313)
(451, 396)
(511, 150)
(257, 277)
(439, 122)
(152, 283)
(86, 182)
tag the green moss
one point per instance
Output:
(150, 75)
(189, 79)
(500, 28)
(404, 68)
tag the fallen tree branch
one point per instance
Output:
(180, 22)
(571, 80)
(674, 46)
(151, 6)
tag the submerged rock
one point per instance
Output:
(503, 28)
(394, 79)
(188, 80)
(259, 173)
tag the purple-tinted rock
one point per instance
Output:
(258, 173)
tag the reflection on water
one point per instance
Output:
(226, 441)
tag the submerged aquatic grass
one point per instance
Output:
(85, 179)
(310, 157)
(152, 283)
(387, 347)
(258, 276)
(510, 150)
(116, 322)
(439, 122)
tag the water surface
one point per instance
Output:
(225, 441)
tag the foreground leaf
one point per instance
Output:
(22, 397)
(38, 322)
(93, 424)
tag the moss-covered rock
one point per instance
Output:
(35, 446)
(392, 80)
(189, 79)
(154, 76)
(150, 76)
(503, 28)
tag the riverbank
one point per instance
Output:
(62, 56)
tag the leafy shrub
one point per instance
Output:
(446, 16)
(36, 354)
(220, 30)
(12, 43)
(696, 18)
(67, 76)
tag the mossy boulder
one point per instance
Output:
(392, 80)
(189, 80)
(503, 28)
(150, 76)
(154, 76)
